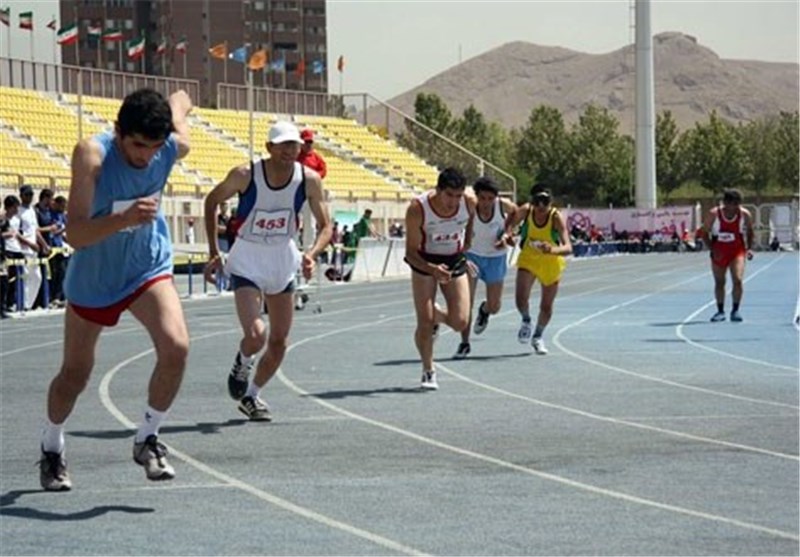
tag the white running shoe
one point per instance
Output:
(717, 317)
(538, 346)
(525, 332)
(429, 381)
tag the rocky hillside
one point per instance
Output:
(690, 80)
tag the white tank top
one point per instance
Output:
(270, 212)
(486, 234)
(442, 235)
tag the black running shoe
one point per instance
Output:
(462, 352)
(481, 321)
(53, 472)
(255, 409)
(239, 378)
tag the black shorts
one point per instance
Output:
(456, 263)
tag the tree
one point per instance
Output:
(787, 168)
(488, 140)
(668, 177)
(431, 112)
(714, 155)
(543, 149)
(758, 141)
(602, 160)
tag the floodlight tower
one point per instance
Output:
(645, 110)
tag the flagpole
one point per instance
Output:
(250, 108)
(184, 64)
(78, 41)
(33, 54)
(120, 43)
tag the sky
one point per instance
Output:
(390, 46)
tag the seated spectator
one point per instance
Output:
(775, 244)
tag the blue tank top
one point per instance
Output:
(112, 269)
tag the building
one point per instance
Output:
(292, 31)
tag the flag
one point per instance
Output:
(278, 65)
(135, 48)
(67, 35)
(112, 35)
(95, 29)
(52, 25)
(317, 67)
(340, 64)
(219, 51)
(181, 45)
(26, 20)
(301, 67)
(240, 54)
(258, 60)
(5, 16)
(162, 46)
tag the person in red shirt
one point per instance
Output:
(308, 156)
(729, 229)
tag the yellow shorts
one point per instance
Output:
(546, 268)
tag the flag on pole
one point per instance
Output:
(135, 48)
(162, 46)
(340, 64)
(26, 21)
(317, 67)
(278, 65)
(219, 51)
(112, 35)
(52, 25)
(240, 54)
(301, 67)
(67, 35)
(181, 45)
(95, 29)
(258, 61)
(5, 17)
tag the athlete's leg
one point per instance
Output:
(473, 286)
(525, 280)
(423, 288)
(456, 293)
(494, 297)
(546, 307)
(159, 309)
(281, 312)
(737, 274)
(719, 284)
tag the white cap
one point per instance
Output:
(283, 132)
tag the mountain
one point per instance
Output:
(506, 83)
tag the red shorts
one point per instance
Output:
(109, 316)
(723, 256)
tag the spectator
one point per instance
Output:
(308, 156)
(364, 228)
(9, 249)
(44, 220)
(775, 244)
(60, 257)
(190, 231)
(32, 244)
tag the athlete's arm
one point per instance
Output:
(315, 194)
(749, 233)
(181, 106)
(509, 209)
(560, 226)
(82, 229)
(235, 182)
(708, 222)
(414, 243)
(513, 219)
(472, 208)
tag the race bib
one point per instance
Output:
(271, 223)
(726, 237)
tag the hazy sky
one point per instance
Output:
(391, 46)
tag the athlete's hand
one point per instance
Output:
(504, 240)
(472, 269)
(141, 211)
(442, 274)
(308, 266)
(212, 269)
(749, 255)
(545, 247)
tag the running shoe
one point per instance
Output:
(525, 332)
(538, 346)
(53, 472)
(462, 352)
(736, 317)
(239, 377)
(255, 409)
(481, 321)
(152, 456)
(429, 381)
(717, 317)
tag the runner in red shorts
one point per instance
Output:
(729, 229)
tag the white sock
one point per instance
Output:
(253, 390)
(150, 423)
(246, 360)
(53, 437)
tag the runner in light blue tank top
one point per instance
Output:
(106, 272)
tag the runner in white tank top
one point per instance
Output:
(488, 252)
(265, 258)
(438, 231)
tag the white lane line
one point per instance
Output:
(510, 465)
(105, 398)
(701, 346)
(618, 369)
(618, 421)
